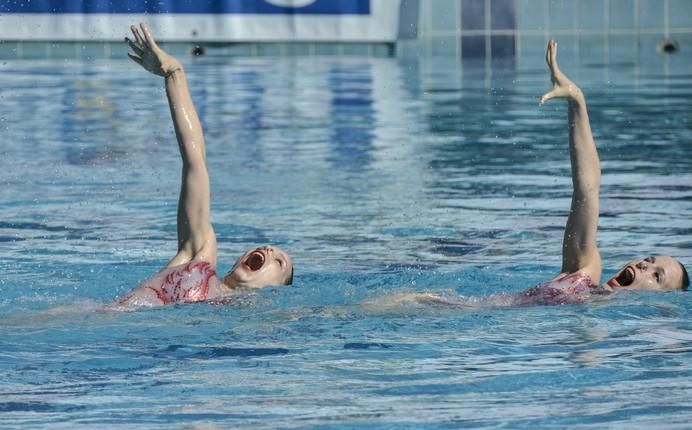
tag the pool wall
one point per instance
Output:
(498, 29)
(491, 30)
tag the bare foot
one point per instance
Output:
(562, 86)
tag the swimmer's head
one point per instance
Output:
(260, 267)
(658, 273)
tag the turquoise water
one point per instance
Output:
(379, 177)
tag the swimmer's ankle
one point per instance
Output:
(175, 71)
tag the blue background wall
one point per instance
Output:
(475, 30)
(497, 29)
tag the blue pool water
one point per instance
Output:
(379, 177)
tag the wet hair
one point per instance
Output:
(289, 281)
(685, 278)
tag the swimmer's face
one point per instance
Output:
(260, 267)
(659, 273)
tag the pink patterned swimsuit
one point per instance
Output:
(186, 283)
(569, 288)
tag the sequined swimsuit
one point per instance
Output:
(181, 284)
(569, 288)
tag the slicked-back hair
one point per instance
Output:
(289, 281)
(685, 278)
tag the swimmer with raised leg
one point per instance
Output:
(581, 261)
(190, 276)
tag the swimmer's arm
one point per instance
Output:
(196, 237)
(579, 248)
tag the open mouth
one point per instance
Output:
(624, 279)
(255, 260)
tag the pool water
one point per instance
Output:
(379, 176)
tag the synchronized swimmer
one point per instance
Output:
(190, 276)
(581, 261)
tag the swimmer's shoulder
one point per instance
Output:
(186, 255)
(573, 277)
(189, 266)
